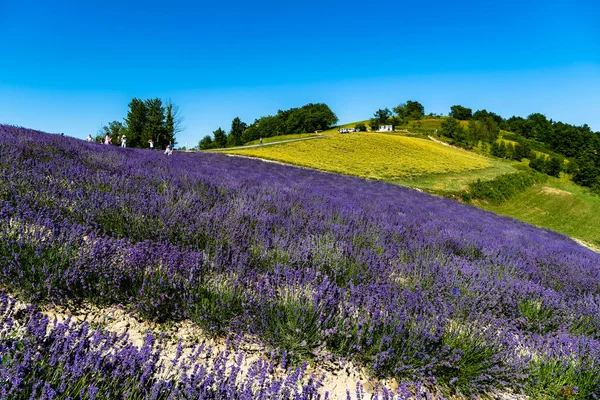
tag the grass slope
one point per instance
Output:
(377, 156)
(559, 205)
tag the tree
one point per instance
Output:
(522, 150)
(482, 115)
(170, 124)
(235, 134)
(554, 166)
(135, 121)
(361, 127)
(588, 169)
(539, 127)
(410, 110)
(114, 129)
(486, 130)
(155, 127)
(450, 127)
(460, 112)
(206, 143)
(381, 118)
(460, 137)
(220, 138)
(538, 163)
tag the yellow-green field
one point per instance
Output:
(377, 156)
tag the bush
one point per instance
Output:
(361, 127)
(502, 187)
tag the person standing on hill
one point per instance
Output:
(260, 140)
(88, 138)
(123, 141)
(150, 144)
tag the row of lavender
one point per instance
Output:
(414, 286)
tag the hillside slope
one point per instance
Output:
(315, 265)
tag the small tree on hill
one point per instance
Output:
(382, 117)
(361, 127)
(220, 138)
(410, 110)
(206, 143)
(460, 112)
(235, 134)
(554, 166)
(135, 121)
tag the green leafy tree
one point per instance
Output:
(381, 117)
(308, 118)
(482, 115)
(410, 110)
(135, 121)
(155, 127)
(587, 172)
(206, 143)
(554, 166)
(522, 150)
(452, 129)
(220, 138)
(235, 134)
(361, 127)
(460, 112)
(538, 163)
(114, 129)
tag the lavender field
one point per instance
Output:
(412, 286)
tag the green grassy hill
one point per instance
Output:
(558, 204)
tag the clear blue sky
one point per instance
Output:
(68, 66)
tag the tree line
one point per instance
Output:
(308, 118)
(150, 119)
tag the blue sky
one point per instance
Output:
(67, 66)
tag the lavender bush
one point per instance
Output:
(414, 286)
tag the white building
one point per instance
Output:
(386, 128)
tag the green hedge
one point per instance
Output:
(502, 187)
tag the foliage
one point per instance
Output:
(411, 110)
(146, 120)
(483, 115)
(235, 134)
(206, 143)
(502, 187)
(460, 112)
(484, 130)
(551, 166)
(220, 138)
(452, 129)
(361, 127)
(308, 118)
(114, 129)
(381, 117)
